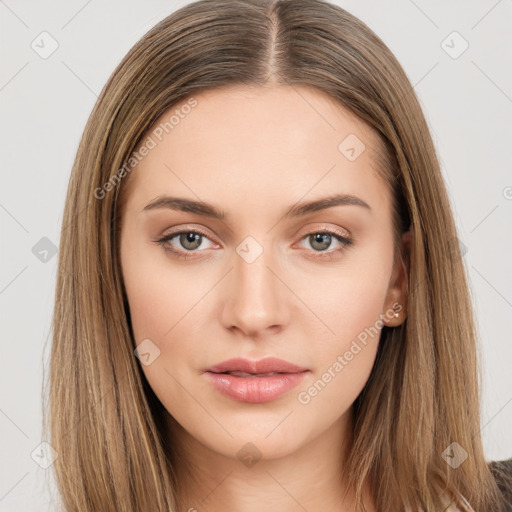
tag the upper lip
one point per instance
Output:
(267, 365)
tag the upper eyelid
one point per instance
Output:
(186, 230)
(310, 230)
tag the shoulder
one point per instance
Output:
(502, 472)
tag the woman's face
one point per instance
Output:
(265, 276)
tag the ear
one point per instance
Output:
(396, 297)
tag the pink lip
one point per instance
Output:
(255, 389)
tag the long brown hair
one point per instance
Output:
(105, 422)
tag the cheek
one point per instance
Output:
(163, 306)
(168, 306)
(350, 308)
(346, 302)
(343, 361)
(160, 300)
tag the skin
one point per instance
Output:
(253, 153)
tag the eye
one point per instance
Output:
(190, 240)
(321, 240)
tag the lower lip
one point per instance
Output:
(255, 389)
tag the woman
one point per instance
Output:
(261, 302)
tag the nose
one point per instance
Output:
(255, 296)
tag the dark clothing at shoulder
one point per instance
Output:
(502, 471)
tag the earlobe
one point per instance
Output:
(396, 299)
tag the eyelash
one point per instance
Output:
(346, 242)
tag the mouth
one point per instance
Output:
(255, 381)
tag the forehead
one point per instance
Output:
(274, 143)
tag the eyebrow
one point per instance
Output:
(297, 210)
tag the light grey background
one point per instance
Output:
(44, 106)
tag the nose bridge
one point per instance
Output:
(256, 296)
